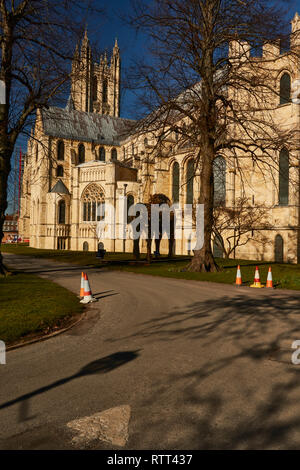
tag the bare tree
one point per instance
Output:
(233, 226)
(37, 45)
(216, 103)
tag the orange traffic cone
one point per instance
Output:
(87, 292)
(82, 285)
(270, 279)
(257, 279)
(238, 281)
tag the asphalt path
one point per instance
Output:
(180, 364)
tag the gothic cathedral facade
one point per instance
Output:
(84, 158)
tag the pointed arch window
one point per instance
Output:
(175, 182)
(93, 204)
(62, 212)
(130, 202)
(219, 172)
(217, 247)
(284, 177)
(114, 154)
(190, 182)
(95, 88)
(60, 171)
(102, 154)
(285, 89)
(104, 91)
(279, 249)
(60, 150)
(37, 213)
(81, 153)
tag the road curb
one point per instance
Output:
(45, 337)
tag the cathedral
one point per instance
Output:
(85, 157)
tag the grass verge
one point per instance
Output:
(286, 276)
(31, 306)
(65, 256)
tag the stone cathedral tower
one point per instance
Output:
(95, 87)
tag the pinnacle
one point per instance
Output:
(296, 18)
(85, 40)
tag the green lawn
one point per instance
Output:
(285, 276)
(31, 305)
(64, 256)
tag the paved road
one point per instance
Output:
(159, 363)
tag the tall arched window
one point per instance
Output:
(33, 213)
(175, 182)
(104, 91)
(62, 212)
(278, 249)
(37, 213)
(85, 246)
(60, 171)
(217, 247)
(93, 208)
(285, 89)
(219, 172)
(95, 88)
(284, 177)
(60, 150)
(130, 202)
(102, 154)
(81, 153)
(190, 182)
(114, 154)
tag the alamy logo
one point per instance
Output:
(2, 353)
(296, 354)
(296, 92)
(159, 220)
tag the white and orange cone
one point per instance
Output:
(270, 279)
(238, 281)
(87, 297)
(257, 283)
(82, 285)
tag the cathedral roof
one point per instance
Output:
(89, 127)
(60, 187)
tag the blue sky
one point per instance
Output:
(105, 30)
(130, 43)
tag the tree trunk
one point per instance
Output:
(203, 259)
(149, 238)
(5, 156)
(149, 244)
(172, 235)
(136, 248)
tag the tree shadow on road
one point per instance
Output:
(227, 318)
(224, 392)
